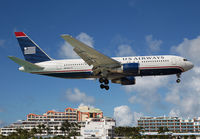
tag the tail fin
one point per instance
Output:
(31, 51)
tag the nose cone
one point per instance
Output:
(189, 65)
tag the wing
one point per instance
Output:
(91, 56)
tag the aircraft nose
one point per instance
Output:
(190, 65)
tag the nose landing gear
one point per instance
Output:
(178, 78)
(105, 85)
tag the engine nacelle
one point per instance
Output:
(131, 68)
(129, 80)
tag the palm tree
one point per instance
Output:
(128, 131)
(69, 129)
(73, 129)
(23, 133)
(43, 128)
(56, 129)
(163, 130)
(63, 130)
(39, 129)
(47, 129)
(33, 131)
(66, 127)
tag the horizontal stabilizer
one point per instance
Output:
(27, 65)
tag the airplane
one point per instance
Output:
(120, 70)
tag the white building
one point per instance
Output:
(28, 125)
(174, 124)
(98, 128)
(53, 120)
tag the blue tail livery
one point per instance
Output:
(31, 51)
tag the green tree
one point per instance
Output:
(162, 130)
(128, 132)
(48, 130)
(56, 129)
(69, 129)
(39, 129)
(65, 127)
(33, 131)
(43, 128)
(22, 133)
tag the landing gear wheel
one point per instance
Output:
(178, 80)
(101, 80)
(107, 87)
(106, 81)
(102, 86)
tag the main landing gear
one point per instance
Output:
(104, 83)
(178, 78)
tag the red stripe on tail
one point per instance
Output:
(20, 34)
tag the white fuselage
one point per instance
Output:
(148, 65)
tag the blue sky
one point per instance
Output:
(115, 28)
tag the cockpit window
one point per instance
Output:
(185, 60)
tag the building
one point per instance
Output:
(53, 120)
(28, 125)
(174, 124)
(70, 114)
(85, 112)
(98, 128)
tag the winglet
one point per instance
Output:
(20, 34)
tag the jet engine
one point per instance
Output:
(132, 68)
(129, 80)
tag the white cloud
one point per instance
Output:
(173, 96)
(119, 40)
(88, 105)
(77, 96)
(85, 38)
(184, 97)
(189, 49)
(66, 50)
(125, 50)
(146, 89)
(124, 116)
(137, 117)
(149, 83)
(124, 46)
(174, 113)
(153, 44)
(196, 70)
(133, 99)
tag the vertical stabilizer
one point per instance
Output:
(31, 51)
